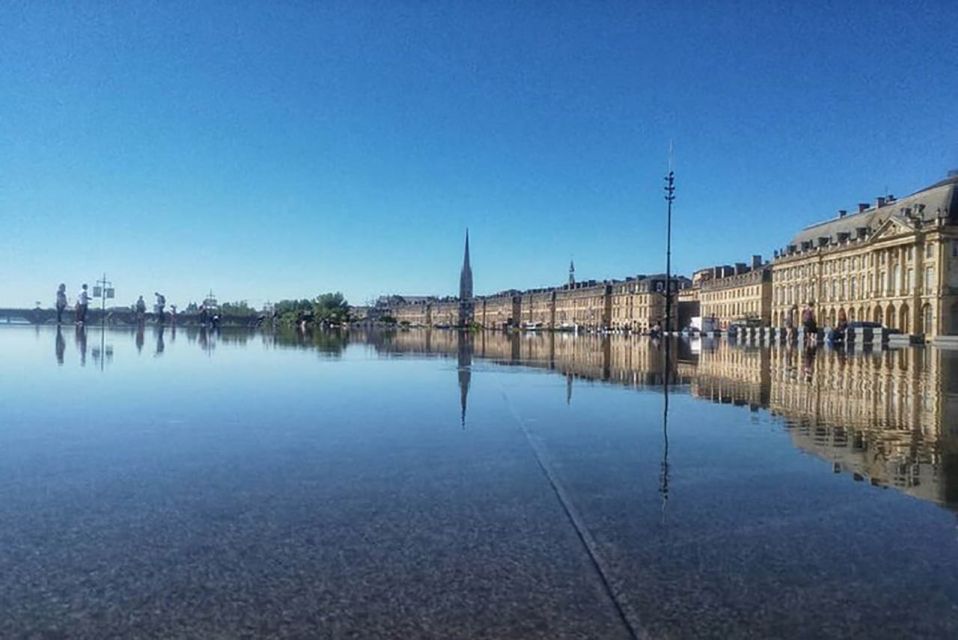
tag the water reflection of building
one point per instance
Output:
(634, 362)
(889, 417)
(739, 376)
(885, 417)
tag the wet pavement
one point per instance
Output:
(432, 485)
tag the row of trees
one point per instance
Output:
(327, 308)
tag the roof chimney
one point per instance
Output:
(756, 262)
(842, 213)
(862, 206)
(880, 201)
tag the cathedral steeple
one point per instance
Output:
(571, 274)
(465, 289)
(465, 276)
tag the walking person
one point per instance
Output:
(83, 303)
(61, 302)
(160, 306)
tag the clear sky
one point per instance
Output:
(284, 149)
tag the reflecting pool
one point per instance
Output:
(430, 484)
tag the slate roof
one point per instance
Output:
(938, 200)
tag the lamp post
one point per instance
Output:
(669, 198)
(664, 473)
(103, 289)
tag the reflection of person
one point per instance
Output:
(140, 309)
(159, 342)
(139, 338)
(60, 345)
(83, 302)
(809, 363)
(809, 324)
(61, 302)
(81, 343)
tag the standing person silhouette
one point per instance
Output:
(61, 302)
(160, 306)
(83, 303)
(140, 310)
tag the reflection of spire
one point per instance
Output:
(465, 373)
(568, 388)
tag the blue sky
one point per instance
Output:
(272, 150)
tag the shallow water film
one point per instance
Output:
(180, 483)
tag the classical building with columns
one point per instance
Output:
(894, 261)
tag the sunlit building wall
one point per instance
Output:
(894, 262)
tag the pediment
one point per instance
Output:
(894, 227)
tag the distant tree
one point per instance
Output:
(331, 307)
(240, 308)
(292, 311)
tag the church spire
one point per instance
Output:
(465, 288)
(571, 273)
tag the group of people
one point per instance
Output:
(810, 325)
(159, 308)
(82, 304)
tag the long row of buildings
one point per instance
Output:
(893, 261)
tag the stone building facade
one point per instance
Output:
(638, 304)
(894, 262)
(583, 305)
(739, 295)
(537, 309)
(499, 311)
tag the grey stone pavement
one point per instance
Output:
(405, 531)
(315, 499)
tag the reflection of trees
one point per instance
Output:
(326, 342)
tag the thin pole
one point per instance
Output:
(669, 198)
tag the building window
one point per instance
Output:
(928, 250)
(910, 281)
(929, 279)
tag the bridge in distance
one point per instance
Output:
(120, 317)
